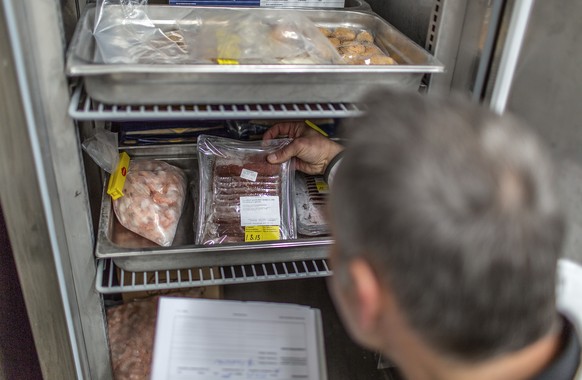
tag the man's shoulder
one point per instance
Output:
(569, 295)
(569, 291)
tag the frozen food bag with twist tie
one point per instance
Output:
(243, 198)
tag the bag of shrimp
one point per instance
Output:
(154, 195)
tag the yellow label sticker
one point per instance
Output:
(322, 186)
(117, 179)
(222, 61)
(227, 47)
(262, 233)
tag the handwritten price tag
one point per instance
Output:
(262, 233)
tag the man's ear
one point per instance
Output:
(367, 292)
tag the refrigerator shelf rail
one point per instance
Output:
(111, 279)
(84, 107)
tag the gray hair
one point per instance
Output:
(455, 209)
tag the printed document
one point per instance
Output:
(211, 340)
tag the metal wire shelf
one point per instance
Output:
(83, 107)
(112, 279)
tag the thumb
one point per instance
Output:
(283, 154)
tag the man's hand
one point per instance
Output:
(312, 150)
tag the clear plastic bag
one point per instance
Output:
(310, 201)
(102, 148)
(241, 194)
(357, 46)
(154, 195)
(126, 33)
(247, 129)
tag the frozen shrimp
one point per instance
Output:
(154, 195)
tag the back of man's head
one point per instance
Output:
(455, 209)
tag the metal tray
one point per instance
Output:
(227, 84)
(134, 253)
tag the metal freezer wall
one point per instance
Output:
(44, 194)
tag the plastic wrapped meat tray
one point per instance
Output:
(179, 83)
(310, 202)
(241, 192)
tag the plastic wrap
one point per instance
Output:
(102, 148)
(242, 196)
(127, 33)
(247, 129)
(357, 46)
(153, 200)
(310, 203)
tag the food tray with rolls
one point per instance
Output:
(134, 253)
(289, 81)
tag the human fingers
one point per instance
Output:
(287, 152)
(289, 129)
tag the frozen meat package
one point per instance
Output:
(243, 198)
(153, 200)
(311, 194)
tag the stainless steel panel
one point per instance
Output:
(44, 195)
(27, 224)
(516, 29)
(460, 35)
(546, 92)
(70, 16)
(134, 253)
(164, 84)
(410, 17)
(477, 36)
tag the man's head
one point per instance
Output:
(452, 210)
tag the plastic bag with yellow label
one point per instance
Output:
(152, 201)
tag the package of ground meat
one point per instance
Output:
(243, 198)
(131, 331)
(154, 194)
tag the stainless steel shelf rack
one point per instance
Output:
(111, 279)
(83, 107)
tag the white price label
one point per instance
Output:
(260, 211)
(249, 175)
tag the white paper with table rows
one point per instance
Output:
(211, 340)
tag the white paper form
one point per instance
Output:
(211, 340)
